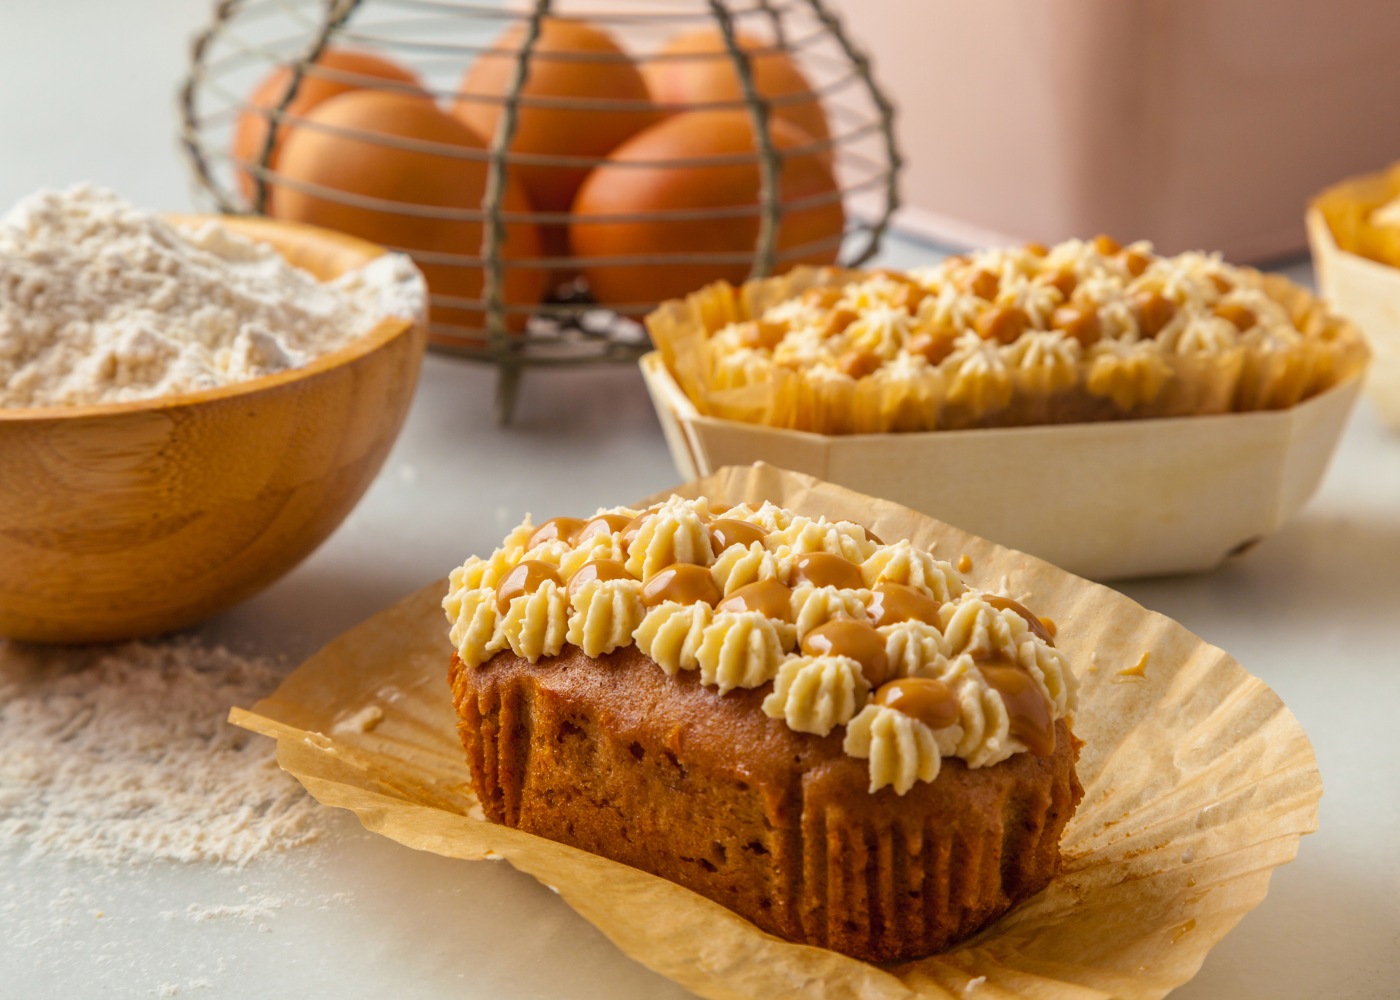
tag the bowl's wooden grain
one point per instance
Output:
(132, 519)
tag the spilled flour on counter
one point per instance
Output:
(129, 759)
(101, 302)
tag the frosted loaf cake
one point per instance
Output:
(835, 737)
(1082, 331)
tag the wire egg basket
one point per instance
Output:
(437, 42)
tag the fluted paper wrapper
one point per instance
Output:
(1198, 783)
(1237, 380)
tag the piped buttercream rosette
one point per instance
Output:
(884, 640)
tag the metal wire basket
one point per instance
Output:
(438, 39)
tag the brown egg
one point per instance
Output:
(638, 179)
(336, 72)
(572, 60)
(696, 67)
(367, 167)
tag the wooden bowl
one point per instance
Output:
(131, 519)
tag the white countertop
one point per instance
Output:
(85, 92)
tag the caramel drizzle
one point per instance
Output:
(564, 529)
(630, 529)
(603, 524)
(898, 602)
(728, 531)
(1032, 720)
(1036, 625)
(768, 597)
(525, 578)
(598, 569)
(823, 569)
(933, 702)
(857, 640)
(684, 583)
(930, 701)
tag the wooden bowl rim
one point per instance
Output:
(388, 329)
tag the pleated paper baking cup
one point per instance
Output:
(1242, 379)
(1367, 292)
(1106, 500)
(1198, 783)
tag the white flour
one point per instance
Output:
(130, 760)
(101, 302)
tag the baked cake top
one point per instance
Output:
(882, 639)
(973, 318)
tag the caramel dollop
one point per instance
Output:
(598, 569)
(768, 597)
(1036, 625)
(858, 364)
(899, 602)
(837, 320)
(630, 529)
(684, 583)
(1241, 317)
(1154, 311)
(525, 578)
(1106, 245)
(1136, 262)
(565, 529)
(1080, 324)
(728, 531)
(603, 524)
(983, 284)
(930, 701)
(763, 334)
(1004, 324)
(1027, 708)
(1065, 281)
(823, 569)
(857, 640)
(935, 347)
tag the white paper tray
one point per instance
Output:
(1104, 500)
(1367, 292)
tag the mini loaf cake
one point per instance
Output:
(1083, 331)
(1363, 214)
(835, 737)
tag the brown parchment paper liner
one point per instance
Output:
(1238, 380)
(1198, 782)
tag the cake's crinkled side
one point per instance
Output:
(885, 640)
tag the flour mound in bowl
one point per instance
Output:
(101, 302)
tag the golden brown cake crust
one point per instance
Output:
(612, 756)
